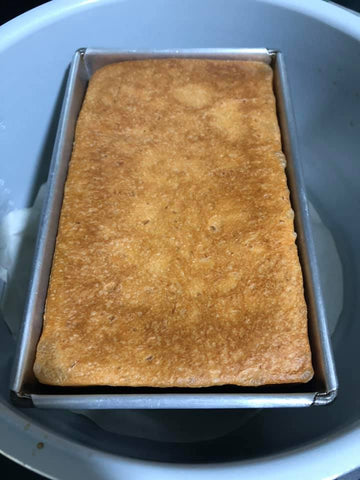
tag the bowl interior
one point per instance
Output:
(324, 76)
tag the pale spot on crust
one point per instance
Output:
(197, 287)
(229, 120)
(237, 124)
(192, 95)
(158, 265)
(228, 283)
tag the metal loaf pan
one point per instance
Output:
(25, 390)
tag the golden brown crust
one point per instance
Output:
(175, 262)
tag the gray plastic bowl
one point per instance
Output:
(322, 48)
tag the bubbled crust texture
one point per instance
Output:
(175, 261)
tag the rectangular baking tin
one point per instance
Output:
(25, 389)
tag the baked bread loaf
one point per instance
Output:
(175, 261)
